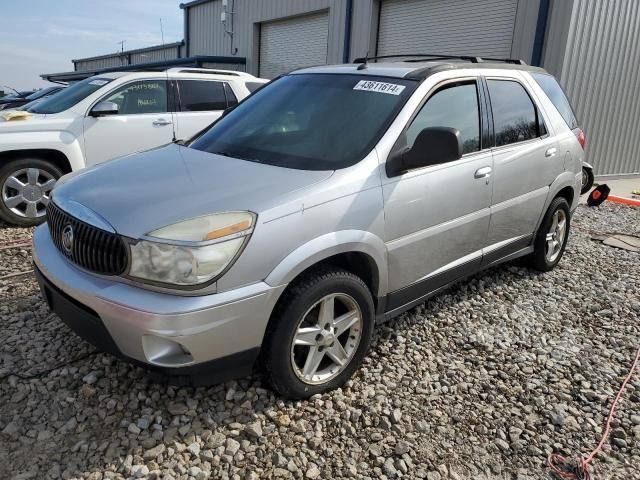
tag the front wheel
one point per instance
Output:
(552, 236)
(25, 187)
(587, 180)
(319, 333)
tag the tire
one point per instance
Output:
(301, 307)
(37, 178)
(587, 180)
(541, 259)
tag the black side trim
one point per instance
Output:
(498, 255)
(419, 289)
(87, 324)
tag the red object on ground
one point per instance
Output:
(558, 464)
(627, 201)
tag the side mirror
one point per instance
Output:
(104, 108)
(432, 146)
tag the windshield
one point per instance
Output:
(309, 121)
(68, 97)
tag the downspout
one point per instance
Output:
(186, 30)
(541, 30)
(346, 51)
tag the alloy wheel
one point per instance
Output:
(556, 235)
(326, 339)
(26, 192)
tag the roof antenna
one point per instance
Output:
(363, 65)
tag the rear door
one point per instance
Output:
(437, 217)
(200, 103)
(143, 121)
(525, 163)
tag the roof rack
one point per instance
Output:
(435, 56)
(231, 73)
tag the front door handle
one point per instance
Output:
(483, 172)
(161, 122)
(551, 152)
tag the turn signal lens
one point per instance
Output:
(230, 230)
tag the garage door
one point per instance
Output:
(458, 27)
(294, 43)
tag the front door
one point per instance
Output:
(437, 217)
(143, 122)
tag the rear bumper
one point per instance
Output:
(213, 337)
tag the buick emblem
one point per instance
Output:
(67, 238)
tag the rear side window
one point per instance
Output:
(201, 96)
(454, 106)
(232, 100)
(253, 86)
(554, 91)
(515, 117)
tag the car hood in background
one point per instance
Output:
(142, 192)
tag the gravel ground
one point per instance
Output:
(482, 382)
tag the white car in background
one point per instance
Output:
(101, 118)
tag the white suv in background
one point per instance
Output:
(101, 118)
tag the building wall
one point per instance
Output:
(116, 60)
(131, 57)
(593, 47)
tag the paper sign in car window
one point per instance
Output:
(98, 82)
(379, 87)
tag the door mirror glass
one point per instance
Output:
(432, 146)
(105, 108)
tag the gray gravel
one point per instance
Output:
(482, 382)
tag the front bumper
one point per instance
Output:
(217, 336)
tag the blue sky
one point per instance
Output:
(42, 36)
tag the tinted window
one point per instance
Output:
(70, 96)
(557, 96)
(145, 96)
(43, 93)
(454, 106)
(514, 115)
(232, 100)
(201, 96)
(253, 86)
(309, 121)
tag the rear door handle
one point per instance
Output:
(551, 152)
(161, 122)
(483, 172)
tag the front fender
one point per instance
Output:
(61, 141)
(328, 245)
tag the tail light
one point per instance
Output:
(582, 139)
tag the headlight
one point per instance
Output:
(192, 252)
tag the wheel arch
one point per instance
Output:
(56, 157)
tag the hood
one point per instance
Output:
(142, 192)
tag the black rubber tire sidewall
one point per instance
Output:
(538, 258)
(294, 303)
(585, 188)
(12, 166)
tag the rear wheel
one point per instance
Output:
(25, 189)
(319, 334)
(552, 236)
(587, 180)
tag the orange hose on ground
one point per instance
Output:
(626, 201)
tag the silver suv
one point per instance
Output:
(332, 199)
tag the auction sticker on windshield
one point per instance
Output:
(380, 87)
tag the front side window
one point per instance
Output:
(515, 117)
(453, 106)
(70, 96)
(201, 96)
(145, 96)
(309, 121)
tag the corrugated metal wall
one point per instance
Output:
(105, 62)
(156, 55)
(596, 58)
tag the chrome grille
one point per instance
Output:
(92, 248)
